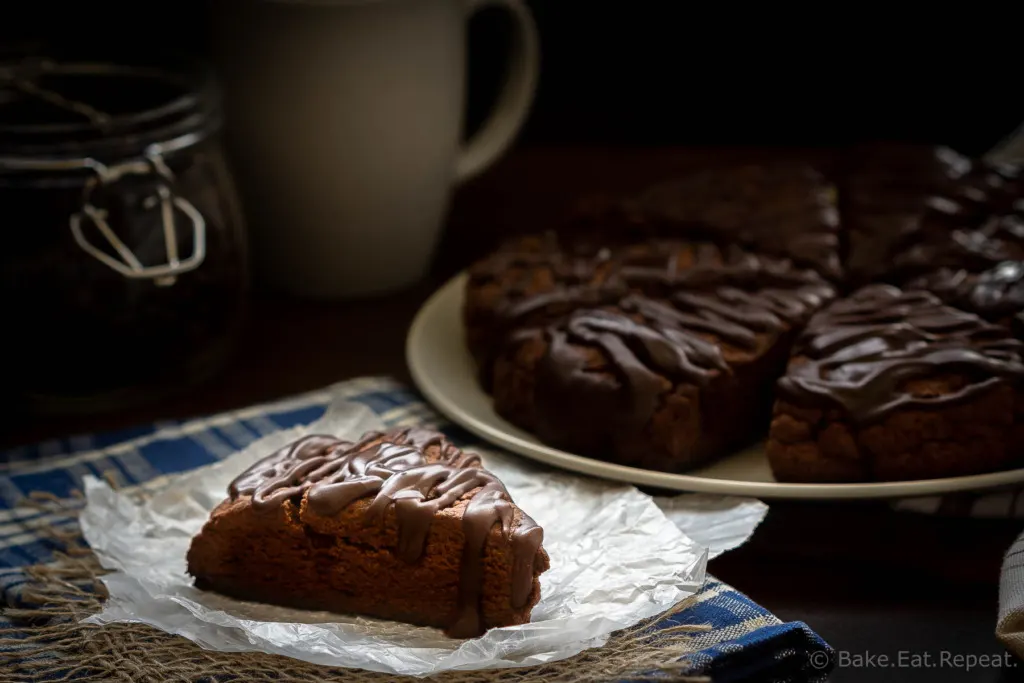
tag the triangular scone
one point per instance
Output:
(665, 361)
(892, 385)
(401, 525)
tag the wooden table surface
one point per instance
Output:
(868, 579)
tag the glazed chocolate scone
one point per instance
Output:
(974, 246)
(537, 279)
(996, 295)
(908, 210)
(532, 279)
(781, 209)
(667, 379)
(892, 385)
(401, 525)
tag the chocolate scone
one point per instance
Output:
(996, 294)
(668, 379)
(783, 209)
(894, 385)
(535, 280)
(532, 279)
(908, 210)
(401, 525)
(944, 242)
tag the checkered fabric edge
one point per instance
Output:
(745, 641)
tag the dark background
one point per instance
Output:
(645, 72)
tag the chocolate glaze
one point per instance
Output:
(538, 279)
(656, 268)
(661, 312)
(401, 472)
(954, 243)
(859, 353)
(652, 345)
(711, 277)
(996, 294)
(910, 210)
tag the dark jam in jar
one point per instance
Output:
(123, 272)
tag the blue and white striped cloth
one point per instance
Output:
(746, 640)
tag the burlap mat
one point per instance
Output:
(52, 644)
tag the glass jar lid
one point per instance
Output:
(79, 108)
(95, 125)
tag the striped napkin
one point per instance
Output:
(746, 641)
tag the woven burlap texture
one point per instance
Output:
(53, 644)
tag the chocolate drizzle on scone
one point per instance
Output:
(671, 320)
(954, 242)
(606, 357)
(861, 352)
(548, 289)
(646, 341)
(910, 210)
(394, 469)
(641, 353)
(996, 294)
(655, 327)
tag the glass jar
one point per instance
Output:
(123, 273)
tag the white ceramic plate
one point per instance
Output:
(443, 370)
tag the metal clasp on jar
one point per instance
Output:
(128, 265)
(165, 274)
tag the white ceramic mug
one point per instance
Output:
(345, 122)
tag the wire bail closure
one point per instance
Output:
(163, 275)
(129, 266)
(22, 78)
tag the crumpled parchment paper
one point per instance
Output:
(616, 559)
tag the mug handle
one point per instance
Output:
(501, 127)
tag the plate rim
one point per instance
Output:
(454, 288)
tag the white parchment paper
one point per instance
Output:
(616, 559)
